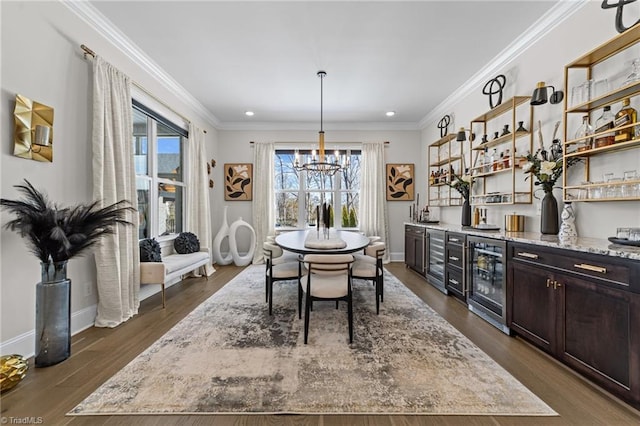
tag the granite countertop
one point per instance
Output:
(589, 245)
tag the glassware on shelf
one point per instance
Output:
(595, 192)
(635, 73)
(630, 188)
(601, 87)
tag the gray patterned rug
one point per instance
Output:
(230, 356)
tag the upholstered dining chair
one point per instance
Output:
(280, 271)
(328, 278)
(368, 266)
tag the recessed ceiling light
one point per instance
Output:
(390, 113)
(248, 113)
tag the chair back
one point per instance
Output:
(328, 264)
(376, 249)
(271, 251)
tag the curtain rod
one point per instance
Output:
(91, 53)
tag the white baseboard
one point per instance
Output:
(25, 344)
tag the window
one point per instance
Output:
(159, 148)
(298, 193)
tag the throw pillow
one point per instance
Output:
(186, 242)
(150, 250)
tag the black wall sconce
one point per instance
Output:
(539, 96)
(461, 136)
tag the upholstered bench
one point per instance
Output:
(172, 267)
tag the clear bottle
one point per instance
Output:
(494, 159)
(626, 115)
(584, 130)
(480, 167)
(604, 123)
(506, 160)
(487, 161)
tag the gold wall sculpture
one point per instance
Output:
(33, 130)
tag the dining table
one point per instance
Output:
(313, 241)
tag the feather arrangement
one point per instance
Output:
(56, 234)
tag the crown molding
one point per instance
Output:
(547, 22)
(286, 126)
(99, 23)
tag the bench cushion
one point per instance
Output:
(176, 262)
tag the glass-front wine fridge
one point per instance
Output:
(487, 274)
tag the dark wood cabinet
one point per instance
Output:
(581, 308)
(415, 238)
(455, 267)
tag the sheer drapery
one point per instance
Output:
(373, 206)
(198, 208)
(117, 255)
(263, 195)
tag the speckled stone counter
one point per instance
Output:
(588, 245)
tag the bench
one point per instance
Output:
(172, 267)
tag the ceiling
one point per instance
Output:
(263, 56)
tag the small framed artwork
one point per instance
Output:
(400, 182)
(238, 182)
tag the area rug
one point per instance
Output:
(230, 356)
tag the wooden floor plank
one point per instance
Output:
(97, 354)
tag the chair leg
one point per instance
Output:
(377, 282)
(307, 312)
(336, 304)
(350, 315)
(299, 300)
(270, 295)
(163, 296)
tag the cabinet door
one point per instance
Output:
(531, 308)
(599, 336)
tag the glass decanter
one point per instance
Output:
(635, 72)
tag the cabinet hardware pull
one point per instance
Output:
(452, 281)
(454, 258)
(591, 268)
(556, 285)
(548, 282)
(529, 255)
(454, 240)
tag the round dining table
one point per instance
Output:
(295, 241)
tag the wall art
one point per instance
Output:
(33, 130)
(495, 86)
(400, 182)
(238, 182)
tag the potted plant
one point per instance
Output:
(55, 235)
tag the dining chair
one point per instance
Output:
(368, 266)
(280, 271)
(328, 278)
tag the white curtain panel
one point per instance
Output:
(263, 195)
(198, 208)
(374, 218)
(117, 256)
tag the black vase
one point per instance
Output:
(53, 315)
(549, 214)
(466, 213)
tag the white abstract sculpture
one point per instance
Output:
(217, 242)
(568, 231)
(233, 244)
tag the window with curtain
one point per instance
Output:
(297, 193)
(159, 152)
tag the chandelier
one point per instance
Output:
(320, 163)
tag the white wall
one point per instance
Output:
(404, 147)
(42, 60)
(544, 61)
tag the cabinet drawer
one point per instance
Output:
(455, 238)
(415, 230)
(454, 282)
(453, 256)
(604, 268)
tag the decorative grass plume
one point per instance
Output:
(57, 234)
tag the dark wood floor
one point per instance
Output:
(48, 393)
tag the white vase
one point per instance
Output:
(233, 243)
(568, 231)
(217, 242)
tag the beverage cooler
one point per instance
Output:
(486, 277)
